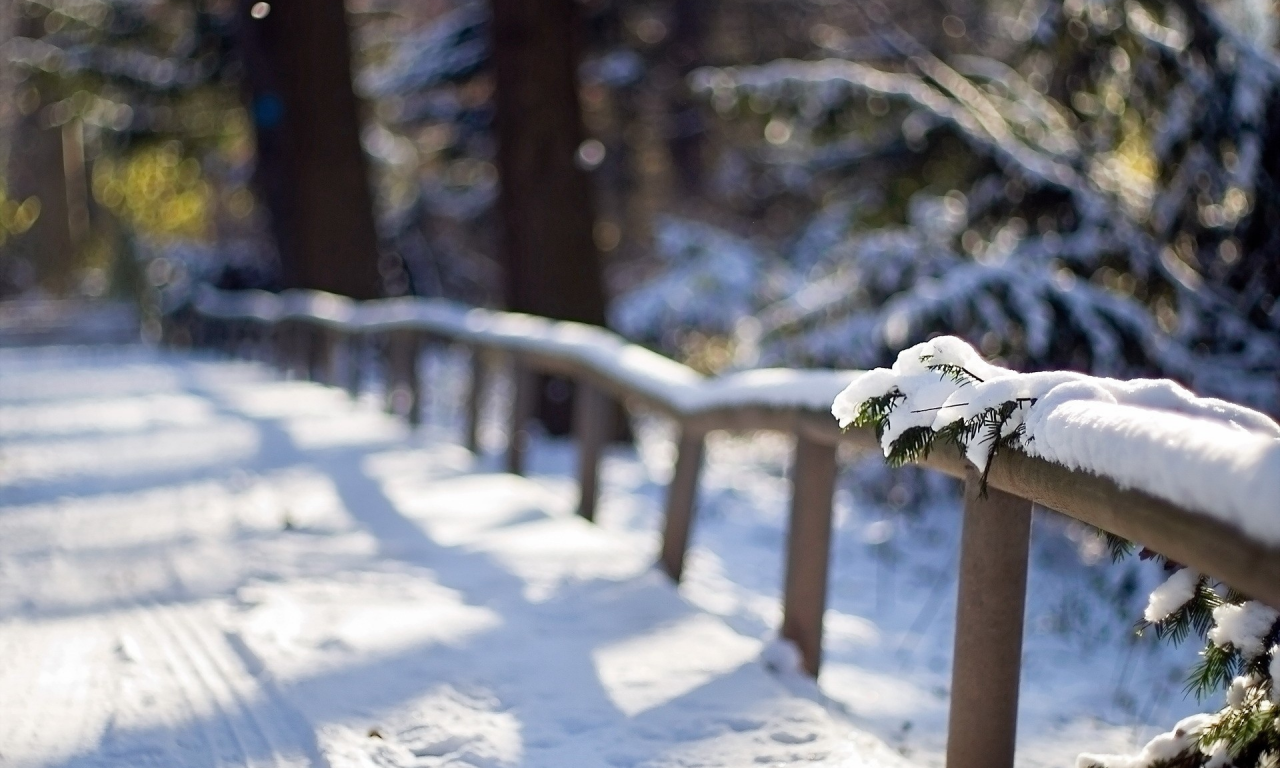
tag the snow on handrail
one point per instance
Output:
(631, 367)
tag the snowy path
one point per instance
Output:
(201, 565)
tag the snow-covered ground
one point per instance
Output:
(201, 564)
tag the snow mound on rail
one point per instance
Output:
(1149, 434)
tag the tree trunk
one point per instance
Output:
(552, 267)
(36, 169)
(311, 173)
(45, 255)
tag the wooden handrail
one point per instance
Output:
(993, 557)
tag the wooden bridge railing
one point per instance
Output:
(317, 335)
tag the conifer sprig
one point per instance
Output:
(874, 412)
(956, 373)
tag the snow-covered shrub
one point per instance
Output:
(1106, 159)
(711, 283)
(450, 50)
(433, 148)
(943, 390)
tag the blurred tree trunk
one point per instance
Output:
(552, 266)
(36, 169)
(311, 169)
(46, 253)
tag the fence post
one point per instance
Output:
(416, 345)
(592, 418)
(987, 662)
(287, 348)
(522, 398)
(404, 387)
(390, 371)
(279, 346)
(298, 350)
(475, 399)
(316, 359)
(330, 355)
(681, 497)
(804, 601)
(352, 348)
(273, 338)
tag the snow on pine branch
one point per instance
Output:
(1153, 435)
(451, 49)
(712, 280)
(1169, 597)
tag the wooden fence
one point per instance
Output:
(317, 335)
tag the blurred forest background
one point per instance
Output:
(1084, 184)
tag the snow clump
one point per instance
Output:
(1161, 749)
(1174, 593)
(1243, 626)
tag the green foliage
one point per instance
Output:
(956, 373)
(875, 411)
(1214, 672)
(1196, 617)
(913, 445)
(1119, 547)
(1249, 730)
(991, 423)
(960, 431)
(1248, 727)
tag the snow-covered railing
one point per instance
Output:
(1210, 502)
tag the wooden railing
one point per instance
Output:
(316, 335)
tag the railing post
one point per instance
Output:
(330, 355)
(352, 348)
(316, 352)
(522, 399)
(277, 343)
(592, 418)
(298, 350)
(257, 342)
(804, 601)
(273, 345)
(390, 370)
(681, 497)
(287, 348)
(416, 345)
(987, 662)
(475, 399)
(302, 350)
(404, 388)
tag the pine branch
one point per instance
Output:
(1241, 728)
(1215, 670)
(874, 412)
(957, 432)
(1195, 617)
(912, 445)
(993, 421)
(956, 373)
(1119, 547)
